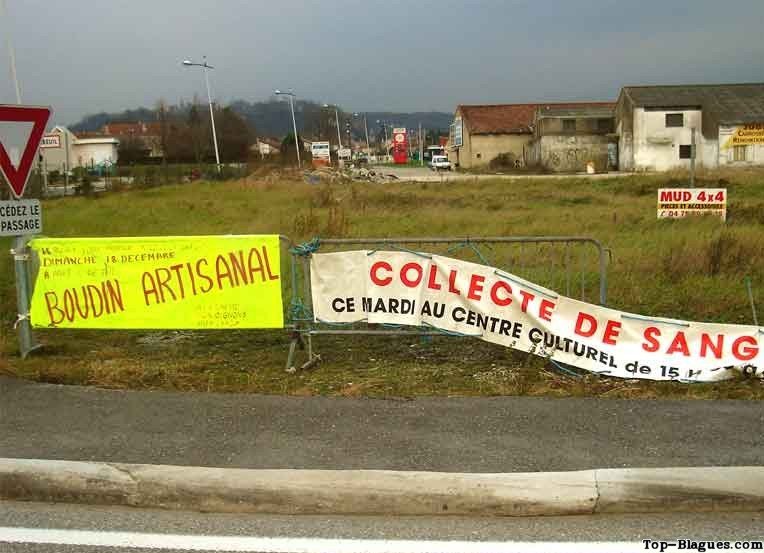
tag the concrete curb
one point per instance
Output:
(371, 492)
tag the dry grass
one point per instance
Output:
(692, 269)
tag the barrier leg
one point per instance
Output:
(23, 325)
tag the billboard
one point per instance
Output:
(456, 133)
(745, 135)
(675, 203)
(160, 282)
(321, 154)
(400, 146)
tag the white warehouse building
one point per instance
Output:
(654, 125)
(61, 143)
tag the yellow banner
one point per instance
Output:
(179, 282)
(746, 135)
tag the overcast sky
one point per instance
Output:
(86, 56)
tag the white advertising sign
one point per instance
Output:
(50, 141)
(19, 218)
(320, 150)
(476, 300)
(683, 202)
(456, 132)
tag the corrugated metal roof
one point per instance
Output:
(595, 112)
(732, 103)
(513, 118)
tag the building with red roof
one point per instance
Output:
(480, 133)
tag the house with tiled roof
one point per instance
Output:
(480, 133)
(147, 135)
(655, 126)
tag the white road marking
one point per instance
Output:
(294, 545)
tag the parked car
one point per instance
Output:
(440, 163)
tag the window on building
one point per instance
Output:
(605, 125)
(675, 120)
(739, 153)
(685, 151)
(569, 125)
(478, 156)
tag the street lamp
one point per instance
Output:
(294, 123)
(337, 119)
(204, 65)
(384, 128)
(366, 130)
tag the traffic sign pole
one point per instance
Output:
(23, 325)
(16, 172)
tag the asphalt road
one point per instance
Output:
(359, 530)
(425, 174)
(507, 434)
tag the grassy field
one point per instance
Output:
(690, 269)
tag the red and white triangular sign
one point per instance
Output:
(17, 147)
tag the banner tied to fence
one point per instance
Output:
(188, 282)
(455, 296)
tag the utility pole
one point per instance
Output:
(692, 157)
(421, 146)
(339, 132)
(11, 53)
(366, 130)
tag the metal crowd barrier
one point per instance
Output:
(572, 265)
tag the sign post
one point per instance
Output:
(21, 131)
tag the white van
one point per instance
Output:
(440, 163)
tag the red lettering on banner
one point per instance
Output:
(88, 302)
(431, 284)
(527, 297)
(452, 283)
(476, 287)
(650, 335)
(405, 274)
(501, 285)
(588, 319)
(706, 344)
(612, 331)
(679, 345)
(375, 268)
(745, 353)
(545, 310)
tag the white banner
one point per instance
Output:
(484, 302)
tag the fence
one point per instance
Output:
(574, 265)
(571, 264)
(54, 181)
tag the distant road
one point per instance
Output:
(424, 174)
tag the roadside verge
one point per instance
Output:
(373, 492)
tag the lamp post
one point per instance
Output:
(294, 122)
(337, 120)
(366, 130)
(384, 128)
(11, 54)
(205, 66)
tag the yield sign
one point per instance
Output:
(18, 144)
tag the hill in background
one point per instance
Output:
(273, 118)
